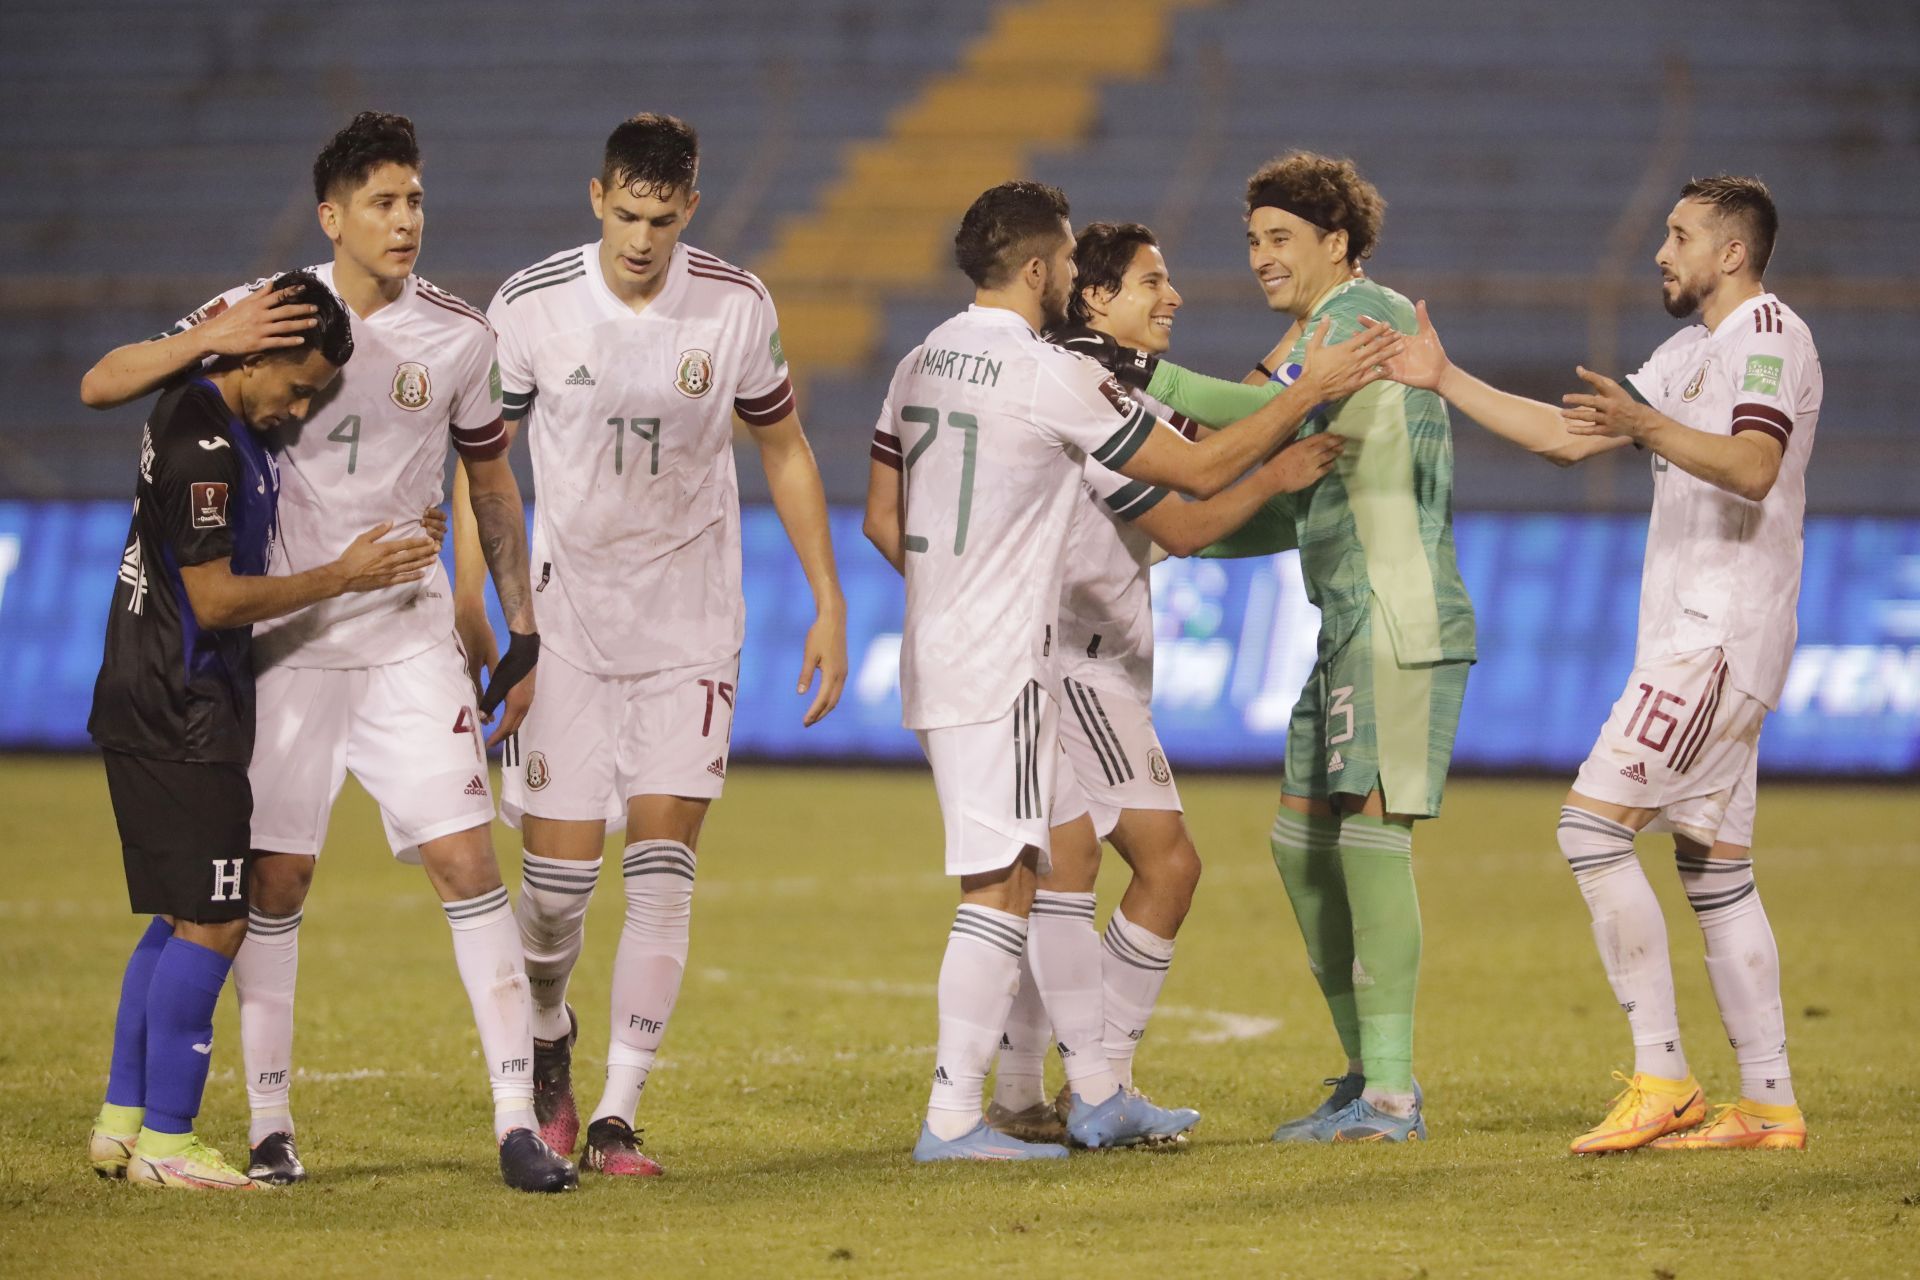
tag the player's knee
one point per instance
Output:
(1591, 843)
(221, 936)
(278, 882)
(1173, 872)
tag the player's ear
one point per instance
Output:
(597, 197)
(1336, 244)
(693, 202)
(329, 215)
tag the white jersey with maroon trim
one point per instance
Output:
(994, 426)
(1722, 571)
(422, 377)
(636, 543)
(1106, 604)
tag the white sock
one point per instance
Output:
(263, 976)
(486, 947)
(1065, 954)
(978, 976)
(1631, 933)
(1132, 970)
(1744, 966)
(647, 967)
(1020, 1074)
(552, 911)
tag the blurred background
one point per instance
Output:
(155, 153)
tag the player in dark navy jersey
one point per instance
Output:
(173, 713)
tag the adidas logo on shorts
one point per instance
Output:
(718, 768)
(1635, 772)
(580, 378)
(476, 787)
(1335, 764)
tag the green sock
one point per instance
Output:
(1306, 850)
(1377, 858)
(119, 1120)
(154, 1143)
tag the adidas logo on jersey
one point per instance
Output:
(476, 787)
(1335, 764)
(580, 378)
(1635, 772)
(718, 768)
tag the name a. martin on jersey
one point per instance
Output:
(959, 366)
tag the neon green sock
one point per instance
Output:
(154, 1143)
(1306, 850)
(118, 1120)
(1377, 858)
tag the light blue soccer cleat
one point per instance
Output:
(1361, 1121)
(981, 1143)
(1127, 1119)
(1318, 1125)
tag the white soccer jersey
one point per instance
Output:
(993, 426)
(636, 542)
(1106, 605)
(422, 377)
(1720, 570)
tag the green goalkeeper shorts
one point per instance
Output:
(1364, 722)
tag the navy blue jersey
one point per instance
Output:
(169, 688)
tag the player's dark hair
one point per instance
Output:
(332, 332)
(652, 155)
(1327, 192)
(1746, 202)
(1101, 255)
(1006, 227)
(371, 139)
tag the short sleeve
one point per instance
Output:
(478, 421)
(1125, 499)
(886, 439)
(1648, 383)
(513, 360)
(196, 481)
(1768, 371)
(1080, 404)
(765, 393)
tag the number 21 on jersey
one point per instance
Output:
(969, 429)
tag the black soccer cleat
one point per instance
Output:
(553, 1106)
(275, 1162)
(528, 1164)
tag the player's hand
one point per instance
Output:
(264, 320)
(1422, 360)
(369, 564)
(1609, 411)
(1302, 463)
(1130, 366)
(1339, 370)
(826, 653)
(512, 683)
(433, 523)
(477, 641)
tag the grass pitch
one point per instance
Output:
(796, 1067)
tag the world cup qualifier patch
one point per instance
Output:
(209, 504)
(1763, 375)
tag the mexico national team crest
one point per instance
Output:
(694, 377)
(1699, 380)
(411, 389)
(537, 775)
(1157, 767)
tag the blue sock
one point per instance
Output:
(180, 1003)
(127, 1077)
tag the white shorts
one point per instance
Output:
(407, 730)
(593, 742)
(996, 783)
(1116, 755)
(1681, 740)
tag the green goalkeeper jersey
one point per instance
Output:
(1379, 526)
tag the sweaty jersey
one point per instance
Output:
(168, 688)
(374, 449)
(993, 426)
(1106, 602)
(636, 531)
(1721, 570)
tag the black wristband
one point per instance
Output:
(523, 651)
(1263, 371)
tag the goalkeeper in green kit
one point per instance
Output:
(1372, 734)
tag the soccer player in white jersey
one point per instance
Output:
(1727, 407)
(376, 684)
(993, 426)
(629, 358)
(1123, 293)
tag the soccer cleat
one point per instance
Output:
(275, 1162)
(1316, 1125)
(1361, 1121)
(1127, 1119)
(553, 1106)
(528, 1164)
(1745, 1125)
(982, 1143)
(1647, 1108)
(109, 1153)
(194, 1167)
(1037, 1123)
(613, 1149)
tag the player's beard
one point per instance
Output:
(1054, 297)
(1683, 299)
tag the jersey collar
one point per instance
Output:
(1742, 311)
(324, 272)
(999, 317)
(669, 291)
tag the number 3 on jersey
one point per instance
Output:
(969, 428)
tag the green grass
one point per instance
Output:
(796, 1067)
